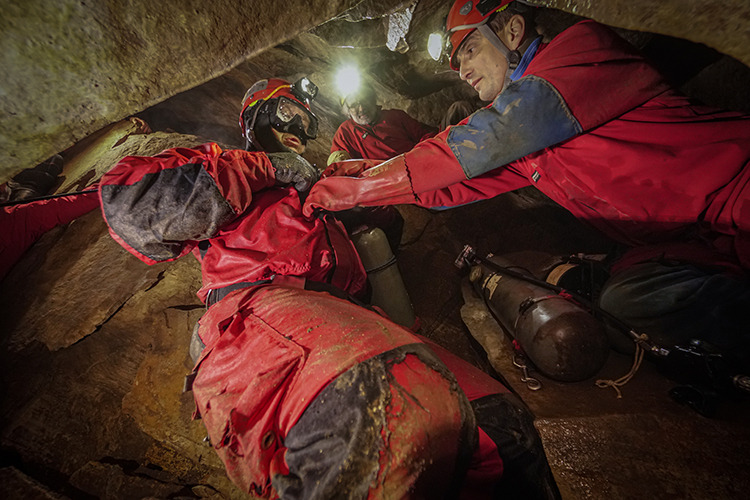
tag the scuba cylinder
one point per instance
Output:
(564, 341)
(388, 290)
(581, 274)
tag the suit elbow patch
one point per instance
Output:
(157, 214)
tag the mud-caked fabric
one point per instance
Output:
(270, 350)
(157, 214)
(159, 207)
(226, 208)
(392, 426)
(510, 426)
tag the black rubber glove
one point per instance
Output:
(291, 168)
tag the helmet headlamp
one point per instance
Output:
(304, 89)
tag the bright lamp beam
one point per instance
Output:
(347, 80)
(435, 45)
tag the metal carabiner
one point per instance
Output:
(532, 384)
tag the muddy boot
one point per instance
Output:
(510, 425)
(36, 182)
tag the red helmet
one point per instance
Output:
(464, 17)
(287, 106)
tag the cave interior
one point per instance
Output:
(95, 343)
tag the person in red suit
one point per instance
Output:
(306, 392)
(27, 213)
(372, 132)
(588, 121)
(24, 223)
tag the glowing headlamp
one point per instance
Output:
(438, 45)
(348, 80)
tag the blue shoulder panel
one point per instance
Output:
(528, 116)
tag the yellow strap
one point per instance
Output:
(269, 95)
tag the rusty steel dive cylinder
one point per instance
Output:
(388, 290)
(563, 340)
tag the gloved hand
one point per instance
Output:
(431, 166)
(349, 168)
(338, 156)
(291, 168)
(384, 184)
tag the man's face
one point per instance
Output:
(482, 66)
(291, 141)
(362, 111)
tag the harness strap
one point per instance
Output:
(216, 294)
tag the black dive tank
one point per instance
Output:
(564, 341)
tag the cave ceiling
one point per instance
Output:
(73, 67)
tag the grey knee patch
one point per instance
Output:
(333, 451)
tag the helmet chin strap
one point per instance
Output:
(251, 142)
(512, 56)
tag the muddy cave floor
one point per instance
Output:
(643, 445)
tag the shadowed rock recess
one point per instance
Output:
(94, 343)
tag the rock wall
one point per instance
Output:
(72, 67)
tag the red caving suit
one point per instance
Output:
(271, 348)
(394, 132)
(23, 223)
(597, 129)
